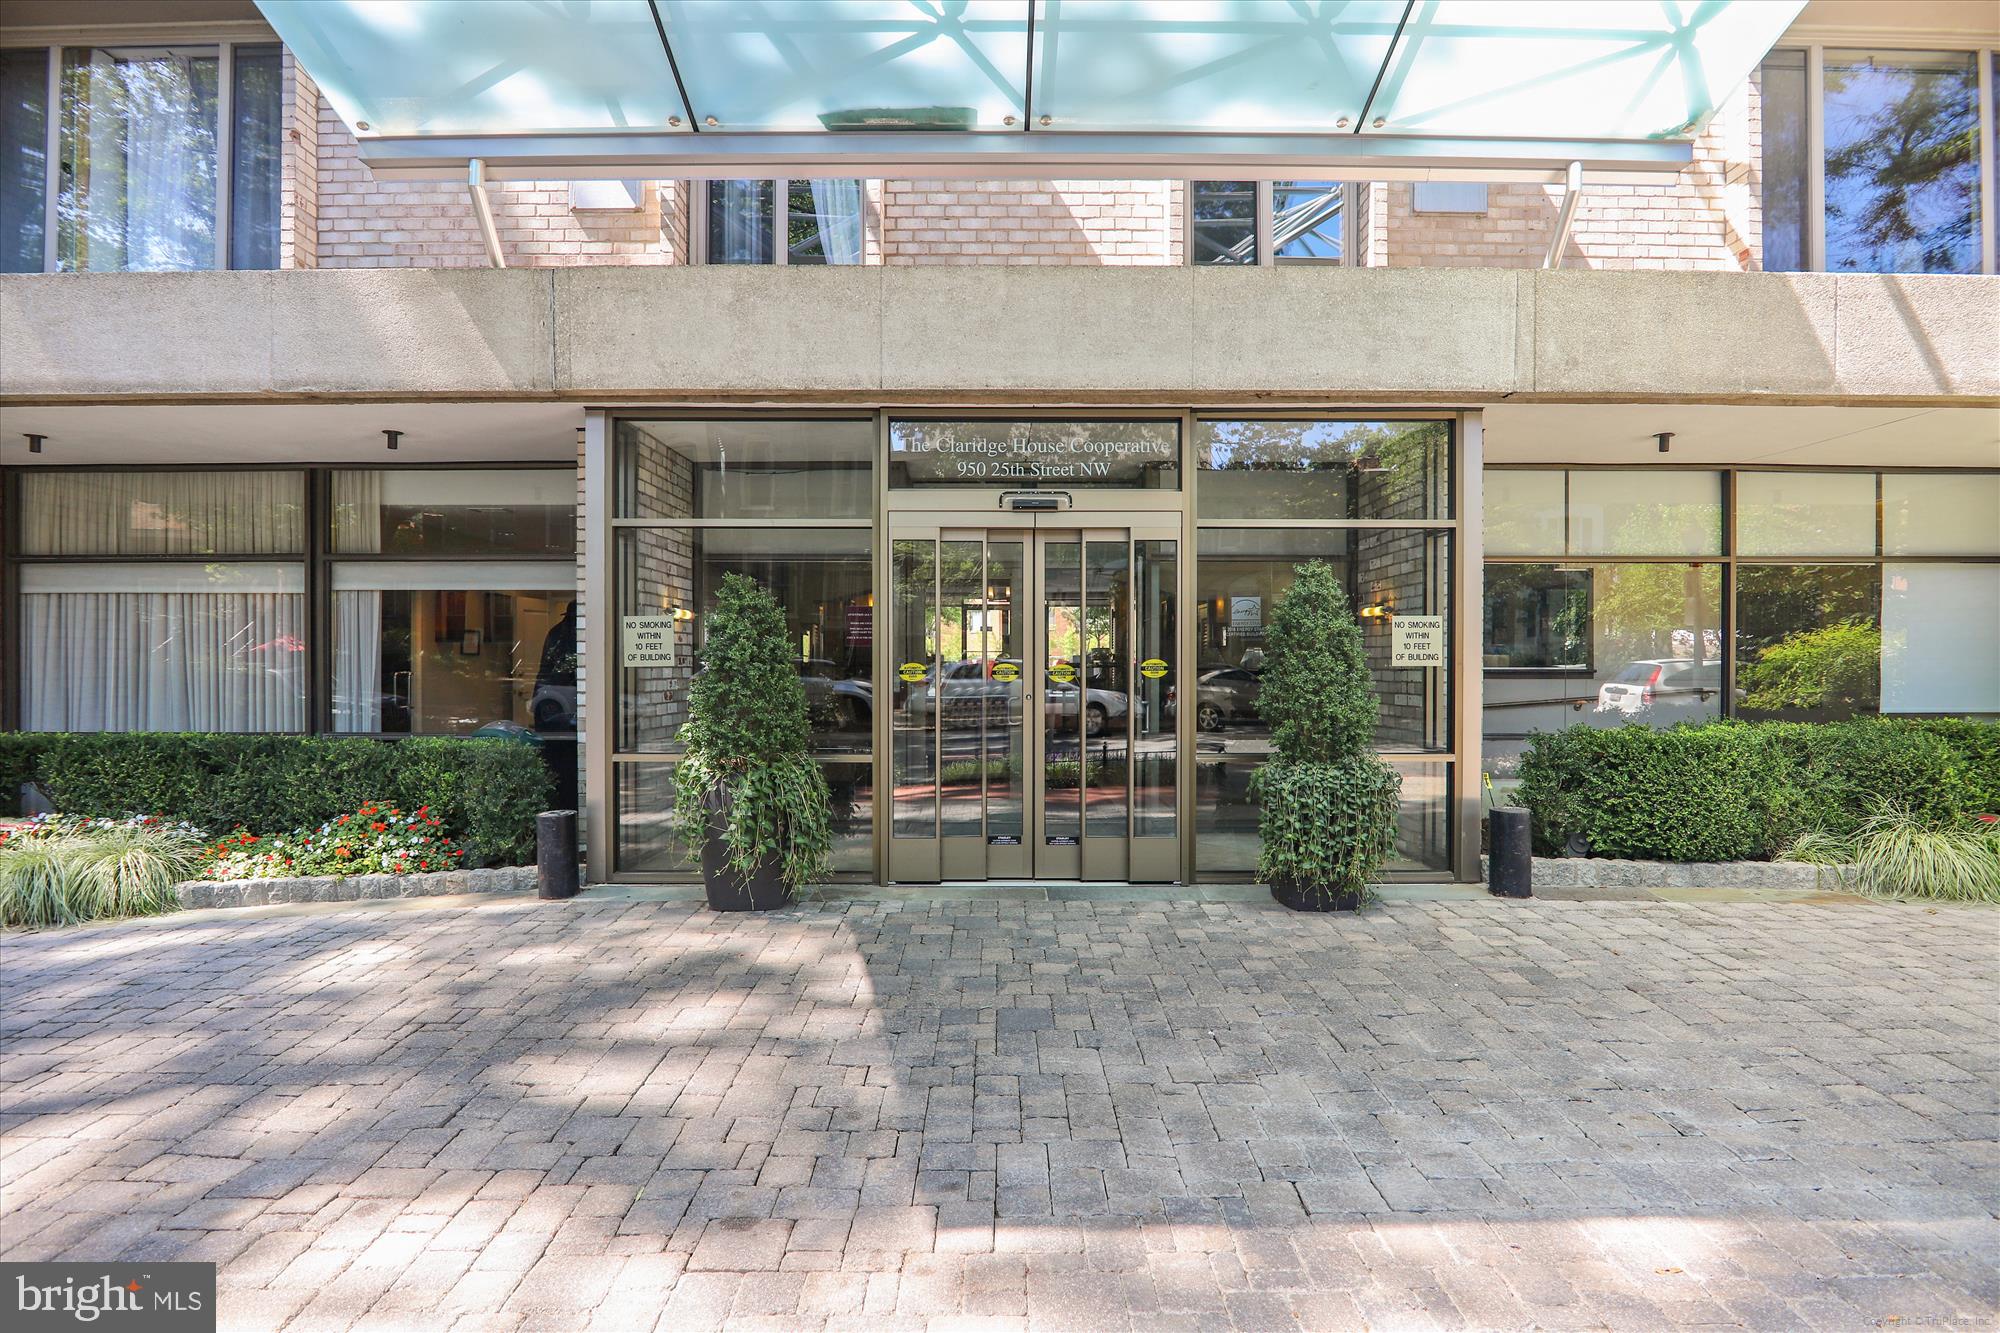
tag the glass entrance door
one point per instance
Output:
(1032, 733)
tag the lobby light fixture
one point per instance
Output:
(1376, 611)
(1663, 437)
(393, 437)
(34, 442)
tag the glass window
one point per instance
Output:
(742, 222)
(1640, 512)
(823, 222)
(643, 803)
(822, 579)
(1805, 513)
(24, 158)
(162, 646)
(1782, 88)
(1423, 823)
(1902, 171)
(162, 513)
(471, 511)
(1447, 197)
(470, 647)
(1308, 221)
(255, 155)
(1029, 455)
(1523, 512)
(1808, 641)
(138, 159)
(1941, 513)
(1651, 651)
(1323, 469)
(754, 468)
(1223, 216)
(1940, 638)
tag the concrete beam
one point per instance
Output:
(1002, 334)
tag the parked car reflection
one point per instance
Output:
(1661, 687)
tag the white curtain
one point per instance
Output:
(163, 661)
(357, 512)
(144, 160)
(838, 204)
(162, 513)
(357, 660)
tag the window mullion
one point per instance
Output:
(1265, 228)
(1989, 163)
(781, 218)
(1816, 158)
(225, 146)
(52, 201)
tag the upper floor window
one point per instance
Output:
(1897, 174)
(819, 222)
(1279, 222)
(161, 158)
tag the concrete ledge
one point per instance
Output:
(1568, 872)
(353, 888)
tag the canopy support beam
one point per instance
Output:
(482, 207)
(1572, 196)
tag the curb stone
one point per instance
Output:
(353, 888)
(1577, 872)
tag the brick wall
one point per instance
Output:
(298, 192)
(1031, 222)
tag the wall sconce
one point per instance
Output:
(683, 613)
(1376, 611)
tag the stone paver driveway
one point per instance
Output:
(943, 1114)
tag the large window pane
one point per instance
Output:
(1323, 469)
(746, 469)
(1941, 513)
(162, 513)
(1787, 247)
(24, 158)
(454, 647)
(1224, 218)
(1031, 455)
(1808, 641)
(138, 159)
(644, 841)
(255, 155)
(741, 226)
(497, 511)
(1307, 221)
(821, 579)
(1940, 638)
(823, 222)
(1524, 512)
(165, 646)
(1902, 166)
(1805, 513)
(1617, 511)
(1648, 636)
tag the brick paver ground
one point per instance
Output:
(972, 1113)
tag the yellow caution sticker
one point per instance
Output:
(1006, 672)
(912, 671)
(1153, 668)
(1062, 673)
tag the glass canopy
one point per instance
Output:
(1062, 73)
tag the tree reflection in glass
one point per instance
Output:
(1902, 173)
(1808, 641)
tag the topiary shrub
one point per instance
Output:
(747, 782)
(1327, 804)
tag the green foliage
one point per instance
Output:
(1837, 666)
(20, 760)
(375, 839)
(1899, 856)
(1315, 691)
(1726, 791)
(38, 882)
(747, 761)
(1327, 804)
(489, 789)
(61, 871)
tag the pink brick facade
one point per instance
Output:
(338, 216)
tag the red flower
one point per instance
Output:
(342, 852)
(378, 826)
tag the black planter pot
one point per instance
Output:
(763, 889)
(1306, 898)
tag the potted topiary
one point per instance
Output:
(1327, 803)
(747, 793)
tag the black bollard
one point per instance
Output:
(1512, 852)
(555, 854)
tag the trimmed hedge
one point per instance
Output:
(1741, 791)
(487, 791)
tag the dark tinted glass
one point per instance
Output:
(24, 158)
(1224, 227)
(255, 156)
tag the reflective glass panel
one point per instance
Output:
(1323, 469)
(1224, 222)
(138, 159)
(1107, 669)
(1618, 511)
(256, 150)
(823, 222)
(1782, 93)
(1005, 749)
(960, 694)
(821, 580)
(742, 224)
(1902, 165)
(753, 468)
(1808, 641)
(162, 513)
(1524, 511)
(913, 729)
(483, 511)
(1221, 64)
(882, 64)
(1423, 821)
(492, 66)
(1805, 513)
(1156, 761)
(162, 646)
(24, 158)
(1941, 513)
(1940, 638)
(1064, 756)
(1027, 455)
(1308, 221)
(645, 842)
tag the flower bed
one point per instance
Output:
(371, 840)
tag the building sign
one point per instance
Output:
(1416, 641)
(860, 626)
(1246, 613)
(648, 641)
(1153, 668)
(1055, 454)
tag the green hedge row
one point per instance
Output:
(1737, 791)
(487, 791)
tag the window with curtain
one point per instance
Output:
(785, 222)
(250, 513)
(1783, 103)
(256, 155)
(24, 158)
(453, 512)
